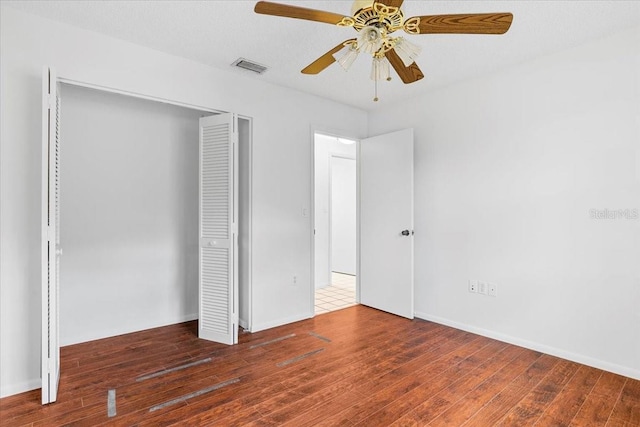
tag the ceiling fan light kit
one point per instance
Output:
(407, 51)
(380, 69)
(370, 40)
(350, 54)
(375, 21)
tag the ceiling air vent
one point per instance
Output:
(249, 65)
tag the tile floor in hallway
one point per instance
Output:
(340, 294)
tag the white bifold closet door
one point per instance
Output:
(218, 283)
(50, 241)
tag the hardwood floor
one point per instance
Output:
(357, 366)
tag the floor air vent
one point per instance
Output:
(249, 65)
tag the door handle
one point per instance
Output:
(406, 232)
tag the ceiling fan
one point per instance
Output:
(375, 21)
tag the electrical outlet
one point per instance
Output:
(473, 286)
(482, 288)
(493, 290)
(295, 280)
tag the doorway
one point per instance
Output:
(335, 223)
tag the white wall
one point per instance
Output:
(507, 169)
(343, 214)
(281, 163)
(324, 147)
(129, 214)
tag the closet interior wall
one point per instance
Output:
(129, 214)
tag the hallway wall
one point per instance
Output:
(324, 147)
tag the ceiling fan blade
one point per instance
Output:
(476, 23)
(409, 74)
(277, 9)
(391, 3)
(325, 60)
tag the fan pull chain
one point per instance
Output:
(375, 99)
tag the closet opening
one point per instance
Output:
(129, 214)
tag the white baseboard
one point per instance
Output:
(139, 326)
(11, 389)
(186, 318)
(279, 322)
(564, 354)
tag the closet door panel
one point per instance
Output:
(218, 283)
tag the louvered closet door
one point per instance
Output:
(50, 356)
(218, 219)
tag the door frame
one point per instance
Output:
(248, 173)
(316, 129)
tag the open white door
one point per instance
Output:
(218, 295)
(386, 222)
(50, 241)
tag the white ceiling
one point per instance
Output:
(218, 32)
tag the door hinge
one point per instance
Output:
(50, 102)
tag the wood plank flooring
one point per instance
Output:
(356, 366)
